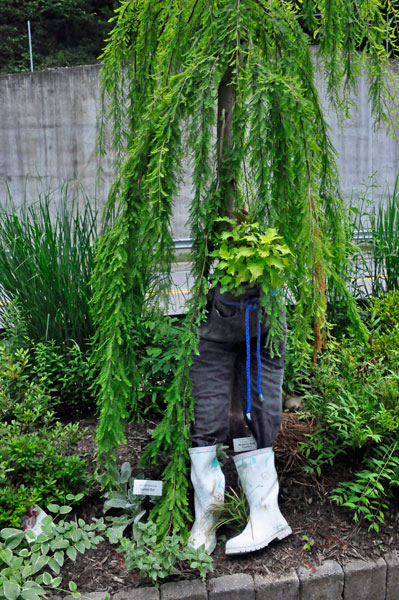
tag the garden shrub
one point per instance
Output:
(65, 372)
(355, 397)
(36, 461)
(159, 344)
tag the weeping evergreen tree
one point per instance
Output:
(228, 85)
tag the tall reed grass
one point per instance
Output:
(385, 235)
(374, 268)
(46, 262)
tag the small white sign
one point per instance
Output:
(147, 487)
(245, 444)
(32, 522)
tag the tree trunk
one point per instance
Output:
(226, 96)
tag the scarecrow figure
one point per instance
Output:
(234, 342)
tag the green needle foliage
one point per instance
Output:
(174, 74)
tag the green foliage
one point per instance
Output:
(36, 463)
(122, 497)
(64, 32)
(66, 375)
(166, 69)
(374, 267)
(160, 347)
(235, 512)
(384, 311)
(156, 559)
(142, 550)
(63, 372)
(309, 543)
(368, 494)
(24, 555)
(53, 256)
(245, 256)
(356, 401)
(384, 221)
(171, 437)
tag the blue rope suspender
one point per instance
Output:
(250, 304)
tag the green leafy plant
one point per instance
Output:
(384, 224)
(309, 543)
(355, 398)
(143, 550)
(235, 512)
(384, 311)
(36, 458)
(174, 74)
(65, 373)
(369, 492)
(24, 555)
(121, 497)
(373, 265)
(160, 346)
(65, 33)
(158, 559)
(246, 256)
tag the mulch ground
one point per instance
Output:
(304, 501)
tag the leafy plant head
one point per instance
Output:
(245, 255)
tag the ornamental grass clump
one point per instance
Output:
(46, 262)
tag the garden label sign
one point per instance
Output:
(245, 444)
(147, 487)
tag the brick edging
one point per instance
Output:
(357, 580)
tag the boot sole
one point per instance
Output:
(280, 535)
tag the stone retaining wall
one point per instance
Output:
(357, 580)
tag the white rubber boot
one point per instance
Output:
(259, 481)
(208, 482)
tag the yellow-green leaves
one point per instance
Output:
(245, 256)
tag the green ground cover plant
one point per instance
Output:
(138, 540)
(355, 397)
(30, 564)
(37, 463)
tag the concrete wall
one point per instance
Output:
(48, 134)
(362, 149)
(48, 130)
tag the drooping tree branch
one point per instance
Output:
(170, 75)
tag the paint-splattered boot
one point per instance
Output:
(208, 482)
(259, 481)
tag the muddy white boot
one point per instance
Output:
(208, 482)
(259, 481)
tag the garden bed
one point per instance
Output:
(320, 529)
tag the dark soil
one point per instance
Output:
(304, 501)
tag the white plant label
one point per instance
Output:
(245, 444)
(147, 487)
